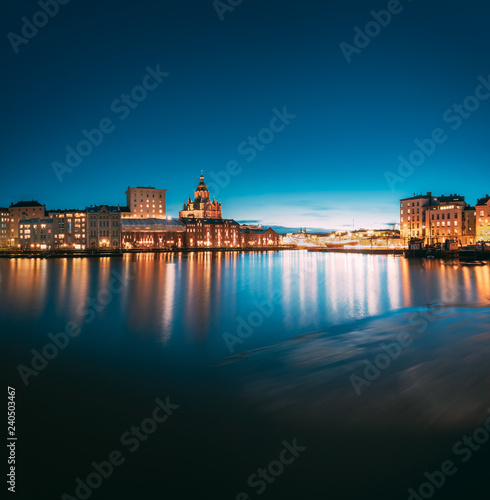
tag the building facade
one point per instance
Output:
(152, 233)
(415, 224)
(145, 202)
(202, 207)
(4, 227)
(23, 209)
(482, 212)
(258, 237)
(450, 221)
(69, 228)
(215, 233)
(103, 227)
(36, 233)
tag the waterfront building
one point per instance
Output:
(202, 207)
(482, 212)
(215, 233)
(103, 227)
(450, 220)
(69, 228)
(145, 202)
(4, 227)
(23, 209)
(152, 233)
(258, 237)
(413, 214)
(36, 233)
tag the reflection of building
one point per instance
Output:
(103, 227)
(145, 202)
(258, 237)
(202, 207)
(23, 209)
(482, 210)
(4, 227)
(211, 232)
(152, 233)
(36, 233)
(69, 228)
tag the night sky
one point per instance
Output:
(225, 73)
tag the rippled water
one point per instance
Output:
(256, 348)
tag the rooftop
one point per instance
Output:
(483, 201)
(189, 220)
(21, 204)
(65, 210)
(97, 208)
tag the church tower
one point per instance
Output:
(202, 207)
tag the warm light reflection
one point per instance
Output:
(193, 298)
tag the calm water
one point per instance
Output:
(255, 348)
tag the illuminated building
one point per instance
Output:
(69, 228)
(215, 233)
(152, 233)
(36, 234)
(258, 237)
(202, 207)
(453, 220)
(145, 202)
(413, 214)
(482, 210)
(4, 227)
(23, 209)
(103, 227)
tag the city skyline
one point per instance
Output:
(311, 125)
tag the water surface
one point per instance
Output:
(256, 348)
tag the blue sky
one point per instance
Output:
(227, 79)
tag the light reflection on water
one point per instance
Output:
(194, 298)
(163, 334)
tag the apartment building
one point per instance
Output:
(103, 227)
(145, 202)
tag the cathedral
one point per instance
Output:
(202, 207)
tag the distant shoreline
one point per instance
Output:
(76, 254)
